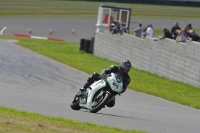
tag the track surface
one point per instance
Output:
(32, 82)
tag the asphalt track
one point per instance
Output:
(32, 82)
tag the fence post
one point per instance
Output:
(154, 52)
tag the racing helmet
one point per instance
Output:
(125, 66)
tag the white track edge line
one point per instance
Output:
(37, 37)
(3, 30)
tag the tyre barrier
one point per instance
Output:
(87, 45)
(82, 44)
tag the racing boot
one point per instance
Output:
(83, 89)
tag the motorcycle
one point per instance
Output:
(99, 94)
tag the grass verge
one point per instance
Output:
(13, 121)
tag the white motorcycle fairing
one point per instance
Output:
(91, 92)
(115, 83)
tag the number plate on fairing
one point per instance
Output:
(115, 82)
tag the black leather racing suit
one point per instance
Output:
(95, 76)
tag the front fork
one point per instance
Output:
(111, 99)
(99, 96)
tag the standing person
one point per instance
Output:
(106, 18)
(123, 69)
(149, 31)
(138, 31)
(144, 31)
(173, 30)
(167, 34)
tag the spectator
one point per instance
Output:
(118, 27)
(180, 36)
(144, 31)
(194, 36)
(106, 19)
(149, 31)
(111, 26)
(184, 32)
(173, 30)
(138, 31)
(115, 29)
(167, 34)
(124, 29)
(188, 28)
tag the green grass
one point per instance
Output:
(59, 8)
(13, 121)
(142, 81)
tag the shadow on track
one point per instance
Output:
(113, 115)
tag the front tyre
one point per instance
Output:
(75, 102)
(99, 103)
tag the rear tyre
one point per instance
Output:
(100, 103)
(75, 102)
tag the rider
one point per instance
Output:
(123, 69)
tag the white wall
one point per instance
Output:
(167, 58)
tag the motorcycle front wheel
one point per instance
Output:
(100, 102)
(75, 102)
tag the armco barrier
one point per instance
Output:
(166, 58)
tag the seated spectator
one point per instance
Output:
(184, 32)
(173, 30)
(124, 29)
(149, 31)
(194, 36)
(180, 36)
(115, 29)
(167, 34)
(111, 26)
(118, 27)
(188, 28)
(138, 31)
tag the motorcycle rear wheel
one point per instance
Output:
(101, 104)
(75, 102)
